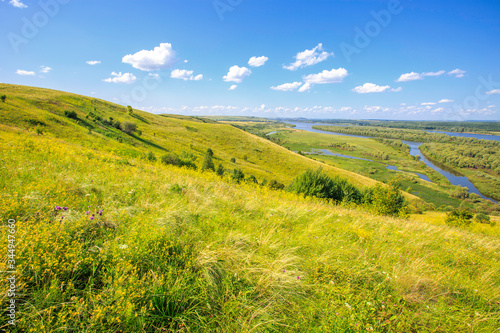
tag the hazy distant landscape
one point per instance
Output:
(234, 166)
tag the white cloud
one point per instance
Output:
(156, 76)
(398, 89)
(410, 77)
(433, 73)
(306, 87)
(288, 86)
(93, 62)
(160, 57)
(237, 74)
(418, 76)
(333, 76)
(493, 92)
(23, 72)
(458, 73)
(17, 3)
(185, 75)
(257, 61)
(438, 110)
(309, 58)
(45, 69)
(430, 103)
(233, 87)
(370, 88)
(121, 78)
(446, 101)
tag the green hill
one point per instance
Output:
(31, 108)
(109, 241)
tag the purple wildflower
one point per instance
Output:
(57, 208)
(284, 271)
(65, 208)
(87, 212)
(298, 277)
(92, 217)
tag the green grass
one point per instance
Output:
(178, 250)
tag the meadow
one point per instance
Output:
(108, 240)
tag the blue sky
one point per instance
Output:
(357, 59)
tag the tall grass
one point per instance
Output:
(176, 250)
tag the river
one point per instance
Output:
(415, 151)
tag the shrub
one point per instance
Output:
(3, 97)
(238, 175)
(220, 170)
(482, 218)
(252, 179)
(274, 185)
(129, 109)
(208, 164)
(459, 217)
(387, 201)
(233, 160)
(316, 184)
(171, 159)
(128, 127)
(117, 124)
(150, 156)
(71, 114)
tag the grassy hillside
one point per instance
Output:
(109, 242)
(34, 108)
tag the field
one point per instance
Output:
(108, 240)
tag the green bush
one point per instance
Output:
(220, 170)
(71, 114)
(233, 160)
(252, 180)
(128, 127)
(273, 185)
(238, 175)
(171, 159)
(459, 217)
(3, 97)
(482, 218)
(387, 200)
(208, 164)
(317, 184)
(150, 156)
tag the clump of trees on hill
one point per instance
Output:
(383, 200)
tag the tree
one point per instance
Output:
(128, 127)
(129, 109)
(388, 201)
(208, 164)
(220, 170)
(3, 97)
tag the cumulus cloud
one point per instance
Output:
(93, 62)
(446, 101)
(121, 78)
(45, 69)
(237, 74)
(257, 61)
(306, 87)
(433, 73)
(493, 92)
(233, 87)
(418, 76)
(288, 86)
(370, 88)
(185, 75)
(458, 73)
(410, 77)
(17, 3)
(160, 57)
(23, 72)
(333, 76)
(430, 103)
(309, 57)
